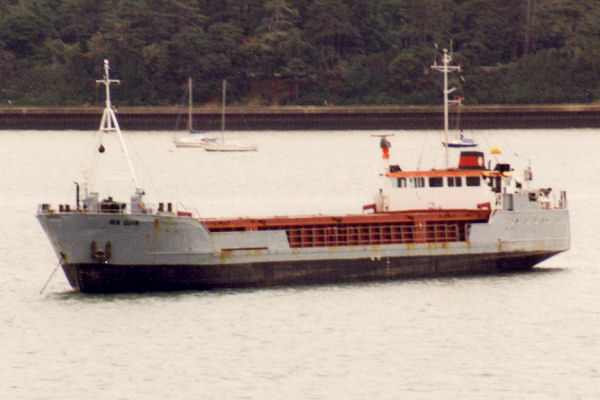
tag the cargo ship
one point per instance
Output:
(474, 218)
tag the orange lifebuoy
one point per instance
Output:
(386, 153)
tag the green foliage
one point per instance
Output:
(21, 30)
(299, 52)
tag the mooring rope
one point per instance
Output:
(50, 277)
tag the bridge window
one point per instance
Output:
(454, 181)
(436, 182)
(473, 181)
(401, 182)
(417, 182)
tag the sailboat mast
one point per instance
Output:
(223, 100)
(190, 104)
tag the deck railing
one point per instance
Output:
(373, 234)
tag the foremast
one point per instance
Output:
(109, 121)
(110, 124)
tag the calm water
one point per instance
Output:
(532, 336)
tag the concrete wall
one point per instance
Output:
(306, 118)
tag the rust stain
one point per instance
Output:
(540, 244)
(255, 252)
(155, 241)
(437, 245)
(224, 256)
(170, 224)
(332, 250)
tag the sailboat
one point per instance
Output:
(193, 140)
(222, 145)
(458, 140)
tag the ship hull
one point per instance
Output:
(117, 252)
(109, 278)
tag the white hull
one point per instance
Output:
(233, 146)
(192, 141)
(460, 143)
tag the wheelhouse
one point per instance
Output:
(470, 186)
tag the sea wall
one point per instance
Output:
(307, 118)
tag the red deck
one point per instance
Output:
(367, 229)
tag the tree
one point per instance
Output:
(490, 31)
(420, 23)
(329, 29)
(299, 52)
(21, 30)
(571, 26)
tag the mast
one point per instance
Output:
(109, 121)
(445, 68)
(190, 104)
(223, 100)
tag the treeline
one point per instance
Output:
(305, 52)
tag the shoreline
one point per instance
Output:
(307, 117)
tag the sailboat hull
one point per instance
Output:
(193, 141)
(460, 145)
(229, 147)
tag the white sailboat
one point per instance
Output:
(196, 138)
(222, 145)
(459, 140)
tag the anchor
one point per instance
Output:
(101, 255)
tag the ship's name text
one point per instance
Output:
(125, 222)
